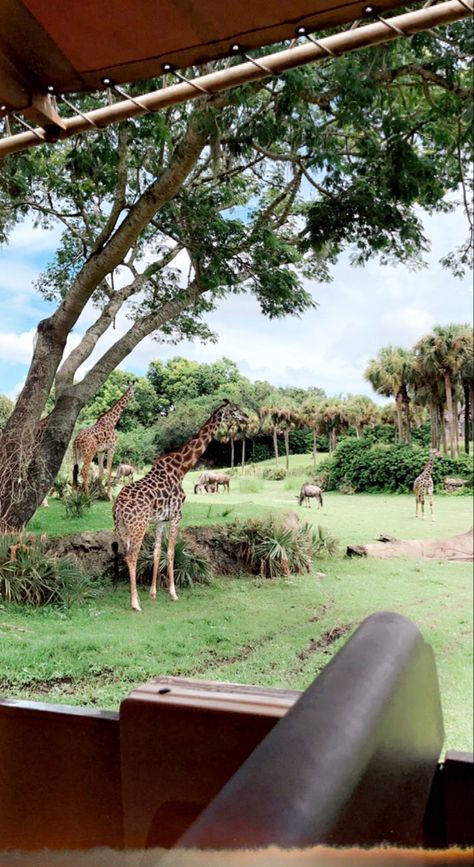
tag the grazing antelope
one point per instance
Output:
(307, 492)
(124, 470)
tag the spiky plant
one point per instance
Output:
(190, 566)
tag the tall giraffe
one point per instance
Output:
(159, 497)
(423, 485)
(97, 439)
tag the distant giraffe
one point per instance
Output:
(97, 439)
(159, 497)
(423, 485)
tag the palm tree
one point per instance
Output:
(280, 417)
(249, 428)
(361, 412)
(311, 416)
(441, 355)
(389, 374)
(466, 375)
(333, 419)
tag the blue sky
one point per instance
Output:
(360, 311)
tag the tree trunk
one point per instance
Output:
(407, 421)
(450, 413)
(275, 443)
(456, 426)
(243, 454)
(443, 429)
(232, 452)
(26, 494)
(399, 419)
(315, 447)
(286, 437)
(434, 426)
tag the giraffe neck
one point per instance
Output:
(429, 467)
(189, 454)
(111, 417)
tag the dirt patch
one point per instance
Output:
(328, 638)
(94, 550)
(459, 549)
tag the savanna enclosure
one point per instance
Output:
(258, 190)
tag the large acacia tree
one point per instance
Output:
(253, 189)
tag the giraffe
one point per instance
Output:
(159, 497)
(423, 485)
(97, 439)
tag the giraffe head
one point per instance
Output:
(229, 411)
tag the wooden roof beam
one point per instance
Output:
(273, 64)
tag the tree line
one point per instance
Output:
(436, 375)
(255, 190)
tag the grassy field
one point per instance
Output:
(278, 632)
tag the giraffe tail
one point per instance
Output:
(75, 476)
(115, 551)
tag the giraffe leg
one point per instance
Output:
(431, 507)
(156, 558)
(173, 532)
(100, 464)
(110, 458)
(85, 472)
(131, 561)
(422, 501)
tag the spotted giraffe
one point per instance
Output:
(98, 439)
(159, 497)
(423, 485)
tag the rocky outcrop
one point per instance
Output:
(457, 548)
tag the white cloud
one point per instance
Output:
(16, 348)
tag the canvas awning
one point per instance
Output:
(72, 45)
(63, 46)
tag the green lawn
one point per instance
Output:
(251, 630)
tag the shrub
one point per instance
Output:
(190, 566)
(270, 549)
(274, 474)
(356, 465)
(60, 485)
(37, 577)
(137, 446)
(77, 503)
(324, 545)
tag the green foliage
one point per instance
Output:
(324, 544)
(137, 446)
(356, 465)
(61, 485)
(190, 566)
(269, 548)
(76, 502)
(36, 577)
(274, 474)
(6, 407)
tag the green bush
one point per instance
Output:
(357, 465)
(137, 446)
(274, 474)
(76, 502)
(270, 549)
(190, 566)
(36, 577)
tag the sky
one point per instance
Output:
(362, 310)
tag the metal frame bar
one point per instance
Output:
(383, 30)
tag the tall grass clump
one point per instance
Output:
(30, 575)
(190, 565)
(76, 502)
(269, 548)
(250, 486)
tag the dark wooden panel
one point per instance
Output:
(59, 777)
